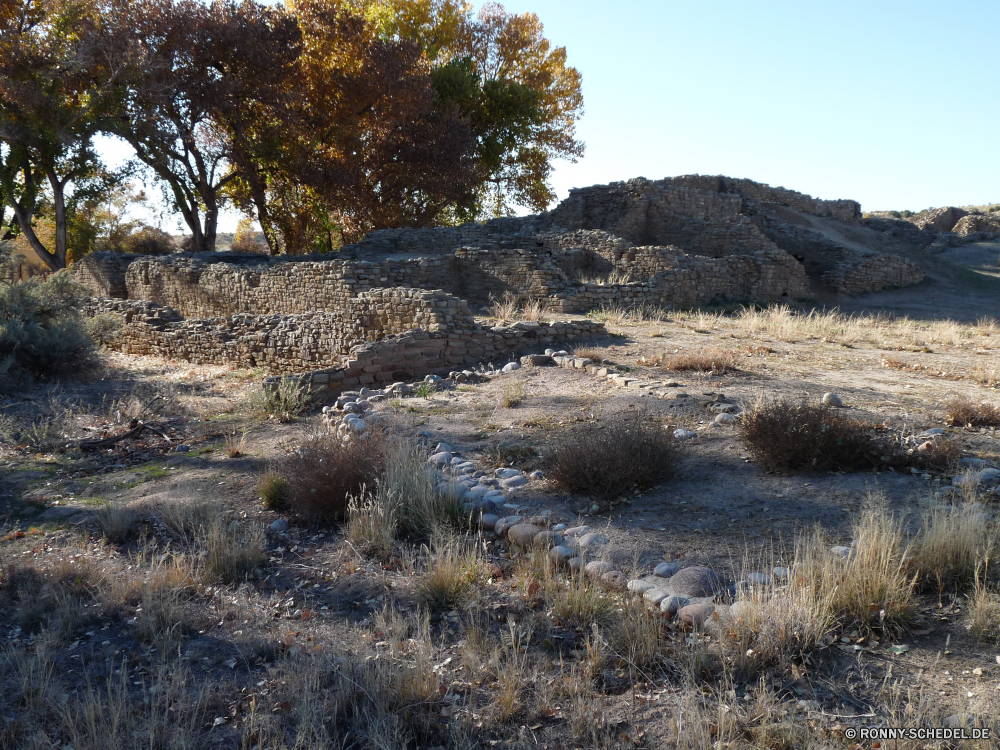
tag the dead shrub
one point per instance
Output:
(326, 472)
(714, 361)
(605, 460)
(589, 352)
(234, 552)
(962, 412)
(984, 609)
(118, 523)
(950, 548)
(454, 569)
(785, 435)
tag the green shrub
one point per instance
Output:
(606, 460)
(273, 490)
(41, 333)
(104, 328)
(284, 401)
(148, 241)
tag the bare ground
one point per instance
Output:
(247, 651)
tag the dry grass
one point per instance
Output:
(623, 452)
(403, 503)
(615, 276)
(511, 307)
(873, 588)
(188, 520)
(454, 569)
(589, 352)
(234, 551)
(282, 402)
(273, 490)
(984, 609)
(714, 361)
(962, 412)
(514, 392)
(326, 472)
(118, 523)
(951, 547)
(236, 444)
(576, 602)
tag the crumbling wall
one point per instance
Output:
(283, 344)
(983, 225)
(859, 274)
(104, 273)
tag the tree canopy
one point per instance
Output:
(323, 119)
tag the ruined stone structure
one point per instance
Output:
(678, 242)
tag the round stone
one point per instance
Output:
(593, 539)
(655, 595)
(575, 564)
(597, 568)
(639, 586)
(671, 604)
(442, 458)
(488, 521)
(696, 581)
(506, 473)
(561, 555)
(685, 434)
(724, 419)
(518, 481)
(758, 579)
(548, 539)
(510, 367)
(280, 525)
(665, 569)
(536, 475)
(522, 534)
(614, 579)
(696, 615)
(840, 551)
(832, 399)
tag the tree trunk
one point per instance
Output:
(59, 209)
(23, 216)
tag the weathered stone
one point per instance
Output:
(696, 615)
(696, 581)
(522, 534)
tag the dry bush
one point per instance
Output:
(951, 547)
(714, 361)
(504, 308)
(514, 392)
(235, 445)
(404, 503)
(589, 352)
(578, 602)
(962, 412)
(273, 489)
(234, 551)
(454, 569)
(607, 460)
(283, 402)
(636, 637)
(188, 520)
(784, 435)
(873, 588)
(770, 627)
(984, 609)
(327, 471)
(118, 523)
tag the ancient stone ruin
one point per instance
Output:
(396, 305)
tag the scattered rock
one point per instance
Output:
(518, 481)
(547, 539)
(685, 434)
(592, 539)
(654, 596)
(639, 586)
(696, 615)
(279, 526)
(538, 360)
(614, 579)
(536, 475)
(666, 569)
(576, 531)
(973, 463)
(840, 551)
(758, 579)
(561, 555)
(724, 419)
(696, 581)
(597, 568)
(671, 604)
(510, 367)
(522, 534)
(488, 521)
(832, 399)
(442, 458)
(575, 564)
(182, 448)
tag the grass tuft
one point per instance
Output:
(963, 412)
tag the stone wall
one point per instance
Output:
(982, 225)
(104, 273)
(282, 344)
(860, 274)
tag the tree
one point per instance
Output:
(196, 67)
(358, 143)
(521, 99)
(54, 89)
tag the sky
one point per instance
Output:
(896, 105)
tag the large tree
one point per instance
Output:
(359, 143)
(56, 80)
(521, 98)
(196, 67)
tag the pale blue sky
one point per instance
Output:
(894, 104)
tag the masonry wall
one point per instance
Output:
(284, 344)
(860, 274)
